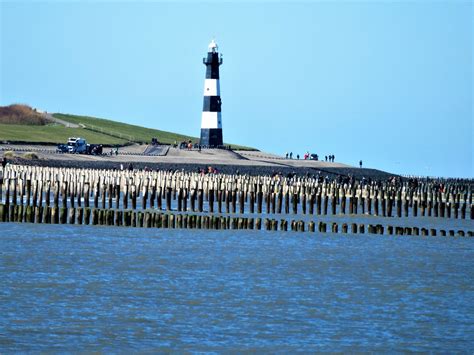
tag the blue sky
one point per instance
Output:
(383, 81)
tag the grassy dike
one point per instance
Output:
(53, 133)
(94, 130)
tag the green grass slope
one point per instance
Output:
(53, 134)
(125, 131)
(94, 130)
(130, 132)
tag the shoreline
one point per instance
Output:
(225, 161)
(222, 167)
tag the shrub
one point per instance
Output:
(21, 114)
(8, 154)
(30, 155)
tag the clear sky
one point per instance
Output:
(383, 81)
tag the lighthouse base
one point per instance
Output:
(211, 137)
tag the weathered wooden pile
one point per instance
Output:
(178, 199)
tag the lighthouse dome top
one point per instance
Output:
(213, 47)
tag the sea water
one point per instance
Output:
(84, 288)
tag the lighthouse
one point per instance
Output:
(211, 121)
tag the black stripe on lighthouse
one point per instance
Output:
(212, 65)
(212, 103)
(211, 122)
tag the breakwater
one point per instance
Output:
(179, 199)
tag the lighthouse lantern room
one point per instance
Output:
(211, 122)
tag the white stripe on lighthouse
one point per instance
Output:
(211, 120)
(212, 87)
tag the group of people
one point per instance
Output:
(310, 156)
(187, 145)
(306, 156)
(330, 158)
(209, 170)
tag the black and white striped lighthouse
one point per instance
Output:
(211, 122)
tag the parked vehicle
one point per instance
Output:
(77, 145)
(62, 148)
(95, 149)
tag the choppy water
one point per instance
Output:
(71, 288)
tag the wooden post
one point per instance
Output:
(133, 196)
(252, 202)
(379, 229)
(86, 194)
(383, 204)
(376, 203)
(241, 202)
(273, 203)
(274, 224)
(311, 202)
(168, 199)
(140, 217)
(399, 203)
(28, 192)
(72, 215)
(38, 214)
(54, 215)
(219, 201)
(344, 228)
(318, 203)
(333, 204)
(294, 203)
(259, 199)
(326, 201)
(159, 198)
(210, 201)
(343, 202)
(300, 226)
(354, 228)
(95, 216)
(87, 215)
(267, 202)
(200, 198)
(322, 227)
(234, 201)
(280, 201)
(389, 204)
(110, 189)
(103, 195)
(79, 215)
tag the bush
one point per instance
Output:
(9, 154)
(30, 155)
(21, 114)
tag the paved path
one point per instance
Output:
(62, 122)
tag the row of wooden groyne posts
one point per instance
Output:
(150, 219)
(43, 194)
